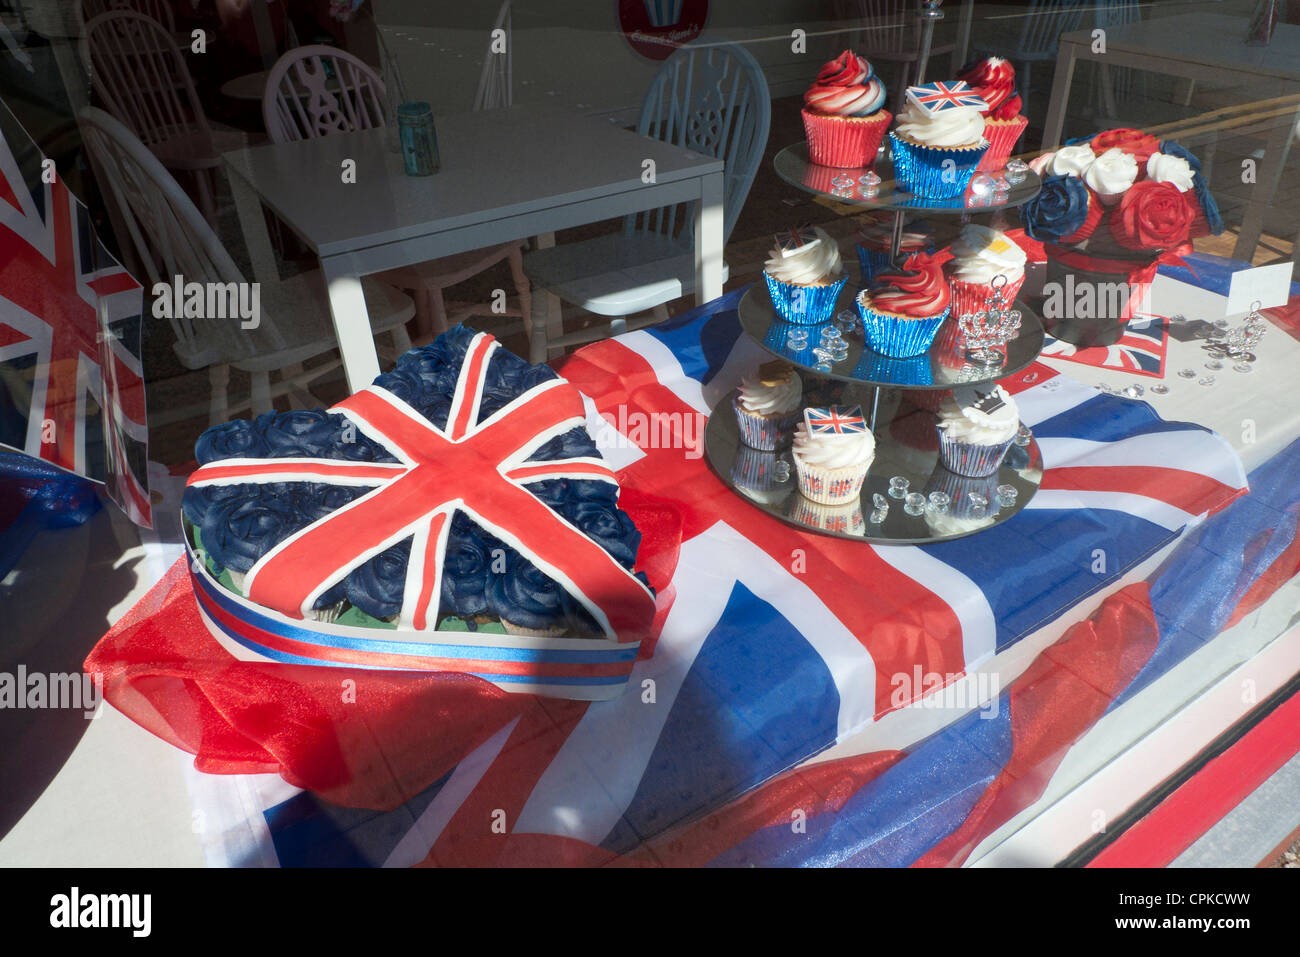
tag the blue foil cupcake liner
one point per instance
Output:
(764, 433)
(921, 170)
(898, 338)
(804, 305)
(969, 459)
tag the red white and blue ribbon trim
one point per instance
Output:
(588, 669)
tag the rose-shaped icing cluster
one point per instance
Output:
(919, 289)
(1151, 216)
(240, 523)
(1204, 204)
(1063, 211)
(1137, 144)
(846, 86)
(994, 79)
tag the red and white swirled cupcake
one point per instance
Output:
(904, 308)
(843, 113)
(994, 79)
(979, 256)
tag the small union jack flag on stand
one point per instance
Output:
(944, 95)
(838, 419)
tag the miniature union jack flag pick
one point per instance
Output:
(944, 95)
(838, 419)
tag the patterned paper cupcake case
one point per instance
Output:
(845, 142)
(762, 432)
(830, 486)
(843, 519)
(970, 459)
(897, 337)
(1002, 136)
(958, 489)
(922, 170)
(754, 469)
(804, 305)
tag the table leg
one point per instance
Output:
(351, 325)
(1265, 187)
(1060, 96)
(252, 223)
(708, 240)
(548, 313)
(1107, 90)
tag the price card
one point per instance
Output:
(1268, 285)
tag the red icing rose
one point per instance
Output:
(1140, 144)
(1151, 216)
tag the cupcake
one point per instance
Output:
(833, 448)
(994, 81)
(767, 406)
(903, 309)
(840, 519)
(1111, 174)
(979, 256)
(939, 140)
(804, 276)
(976, 427)
(843, 113)
(873, 237)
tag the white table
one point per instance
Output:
(1195, 46)
(506, 175)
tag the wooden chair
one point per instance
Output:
(318, 90)
(172, 239)
(158, 10)
(141, 76)
(1040, 31)
(710, 99)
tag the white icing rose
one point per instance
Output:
(1111, 174)
(780, 399)
(1164, 168)
(963, 423)
(813, 262)
(980, 253)
(962, 126)
(833, 450)
(1072, 160)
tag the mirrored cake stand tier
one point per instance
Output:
(943, 367)
(906, 447)
(793, 165)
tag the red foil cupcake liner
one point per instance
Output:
(845, 141)
(1002, 136)
(970, 297)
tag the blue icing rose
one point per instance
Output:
(199, 498)
(467, 563)
(1058, 210)
(239, 530)
(592, 507)
(525, 597)
(231, 440)
(377, 586)
(575, 443)
(1200, 186)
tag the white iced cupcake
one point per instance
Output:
(833, 448)
(976, 427)
(767, 406)
(979, 256)
(1110, 175)
(804, 276)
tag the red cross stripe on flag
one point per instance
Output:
(479, 468)
(841, 419)
(945, 95)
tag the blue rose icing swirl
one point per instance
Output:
(1200, 188)
(240, 523)
(1059, 209)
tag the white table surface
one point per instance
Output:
(506, 174)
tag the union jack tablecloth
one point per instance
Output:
(770, 646)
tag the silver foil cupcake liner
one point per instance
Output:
(804, 305)
(958, 489)
(761, 432)
(969, 459)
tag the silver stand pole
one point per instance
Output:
(930, 15)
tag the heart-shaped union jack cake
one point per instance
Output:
(454, 515)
